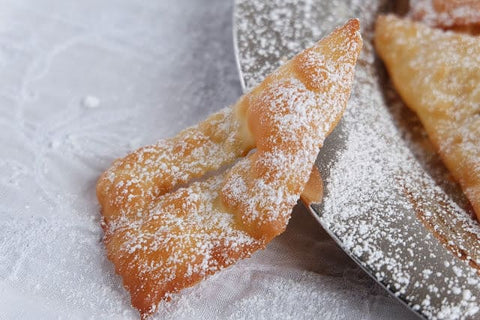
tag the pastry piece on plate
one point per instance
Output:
(462, 15)
(437, 74)
(171, 216)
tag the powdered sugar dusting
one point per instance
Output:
(163, 237)
(448, 91)
(446, 13)
(377, 181)
(195, 239)
(153, 170)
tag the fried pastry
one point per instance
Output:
(171, 216)
(437, 74)
(462, 15)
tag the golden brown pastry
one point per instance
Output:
(313, 190)
(437, 74)
(457, 14)
(171, 218)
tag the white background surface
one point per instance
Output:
(155, 67)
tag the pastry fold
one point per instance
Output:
(171, 217)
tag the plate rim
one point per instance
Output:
(389, 287)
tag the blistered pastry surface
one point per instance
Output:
(162, 239)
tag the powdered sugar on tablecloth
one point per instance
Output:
(156, 67)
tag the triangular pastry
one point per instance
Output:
(437, 74)
(166, 228)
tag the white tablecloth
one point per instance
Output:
(84, 82)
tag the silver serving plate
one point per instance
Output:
(389, 202)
